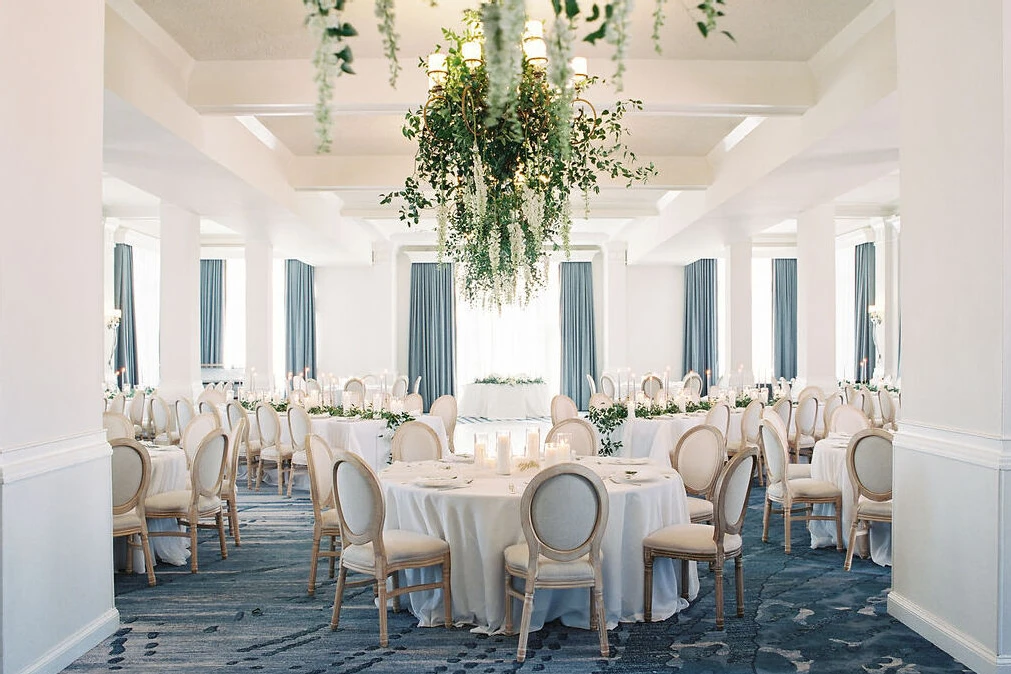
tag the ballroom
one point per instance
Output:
(377, 334)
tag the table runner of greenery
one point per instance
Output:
(393, 419)
(508, 381)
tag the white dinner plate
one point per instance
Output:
(624, 460)
(441, 482)
(633, 476)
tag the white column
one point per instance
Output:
(739, 368)
(56, 600)
(888, 294)
(179, 331)
(259, 313)
(816, 296)
(615, 351)
(951, 579)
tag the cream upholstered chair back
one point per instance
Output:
(234, 411)
(811, 391)
(807, 415)
(415, 441)
(298, 383)
(399, 388)
(212, 395)
(698, 457)
(417, 384)
(600, 401)
(692, 384)
(832, 403)
(887, 406)
(413, 402)
(207, 407)
(445, 407)
(563, 513)
(786, 388)
(359, 501)
(268, 425)
(312, 386)
(869, 461)
(117, 426)
(296, 397)
(772, 440)
(751, 420)
(784, 408)
(117, 404)
(563, 407)
(131, 473)
(184, 412)
(719, 416)
(236, 441)
(137, 408)
(356, 387)
(320, 460)
(582, 436)
(196, 430)
(867, 403)
(370, 379)
(851, 394)
(208, 468)
(849, 420)
(161, 417)
(652, 385)
(299, 426)
(608, 387)
(733, 488)
(592, 384)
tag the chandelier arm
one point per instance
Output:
(596, 118)
(468, 95)
(424, 111)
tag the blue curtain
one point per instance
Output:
(431, 347)
(212, 308)
(579, 343)
(300, 317)
(784, 317)
(126, 336)
(865, 353)
(700, 350)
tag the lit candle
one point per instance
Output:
(580, 70)
(471, 52)
(503, 463)
(533, 443)
(480, 447)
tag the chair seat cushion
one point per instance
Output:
(699, 509)
(805, 487)
(690, 539)
(578, 570)
(805, 440)
(865, 506)
(797, 470)
(734, 446)
(128, 521)
(329, 519)
(169, 502)
(402, 547)
(299, 458)
(270, 453)
(254, 445)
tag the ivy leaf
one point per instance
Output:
(729, 36)
(346, 67)
(347, 30)
(557, 5)
(571, 8)
(594, 14)
(702, 28)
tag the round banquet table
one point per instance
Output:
(480, 520)
(654, 438)
(505, 401)
(828, 463)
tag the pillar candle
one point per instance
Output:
(503, 463)
(533, 443)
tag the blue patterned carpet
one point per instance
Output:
(251, 613)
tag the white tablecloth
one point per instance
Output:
(168, 473)
(829, 463)
(482, 519)
(501, 401)
(655, 438)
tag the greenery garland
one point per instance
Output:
(508, 381)
(393, 419)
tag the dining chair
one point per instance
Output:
(356, 387)
(296, 397)
(848, 420)
(699, 456)
(751, 420)
(582, 436)
(802, 439)
(714, 543)
(652, 385)
(832, 403)
(325, 522)
(161, 421)
(136, 413)
(297, 383)
(786, 388)
(415, 441)
(272, 450)
(692, 385)
(299, 427)
(869, 462)
(563, 513)
(811, 391)
(131, 475)
(784, 408)
(196, 430)
(207, 407)
(399, 388)
(719, 416)
(184, 412)
(563, 407)
(867, 406)
(376, 552)
(212, 395)
(248, 450)
(592, 384)
(608, 387)
(117, 426)
(887, 406)
(200, 501)
(445, 407)
(229, 494)
(600, 401)
(117, 404)
(413, 402)
(417, 384)
(234, 412)
(851, 394)
(804, 492)
(312, 386)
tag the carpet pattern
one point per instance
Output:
(251, 612)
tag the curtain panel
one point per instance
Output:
(700, 343)
(865, 352)
(300, 317)
(784, 317)
(212, 310)
(579, 342)
(431, 348)
(126, 334)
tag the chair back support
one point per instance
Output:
(209, 464)
(234, 411)
(869, 461)
(563, 407)
(600, 401)
(359, 500)
(413, 402)
(399, 388)
(299, 426)
(692, 384)
(312, 386)
(848, 419)
(592, 384)
(582, 436)
(608, 387)
(212, 395)
(417, 385)
(811, 391)
(751, 420)
(184, 412)
(784, 408)
(160, 415)
(851, 394)
(117, 404)
(563, 513)
(415, 441)
(137, 408)
(131, 472)
(832, 403)
(236, 440)
(651, 386)
(772, 440)
(733, 488)
(268, 424)
(807, 415)
(207, 407)
(356, 387)
(719, 416)
(867, 403)
(445, 407)
(699, 457)
(887, 406)
(320, 460)
(117, 426)
(196, 430)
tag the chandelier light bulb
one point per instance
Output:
(580, 70)
(471, 53)
(437, 68)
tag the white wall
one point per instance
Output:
(655, 311)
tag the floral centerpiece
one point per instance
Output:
(508, 381)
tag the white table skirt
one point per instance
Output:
(829, 463)
(481, 520)
(168, 473)
(501, 401)
(655, 438)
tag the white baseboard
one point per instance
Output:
(948, 638)
(77, 644)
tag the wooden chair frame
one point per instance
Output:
(136, 501)
(322, 496)
(861, 489)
